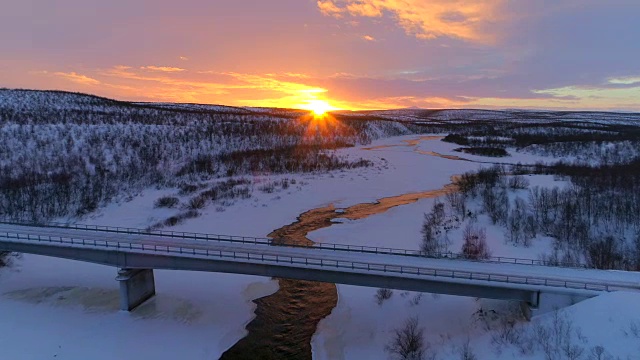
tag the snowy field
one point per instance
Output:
(52, 308)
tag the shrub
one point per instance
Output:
(177, 219)
(187, 189)
(268, 188)
(382, 295)
(172, 221)
(197, 202)
(484, 151)
(166, 202)
(518, 182)
(503, 325)
(456, 139)
(4, 258)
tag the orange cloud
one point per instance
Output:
(270, 82)
(288, 90)
(77, 78)
(425, 19)
(327, 7)
(369, 38)
(363, 8)
(168, 69)
(175, 89)
(297, 75)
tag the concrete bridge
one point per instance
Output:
(137, 252)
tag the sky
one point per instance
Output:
(351, 54)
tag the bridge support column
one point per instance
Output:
(136, 287)
(548, 302)
(529, 308)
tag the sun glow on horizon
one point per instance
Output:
(318, 107)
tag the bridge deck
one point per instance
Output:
(513, 276)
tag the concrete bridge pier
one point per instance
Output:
(547, 302)
(529, 308)
(136, 287)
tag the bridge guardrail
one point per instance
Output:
(274, 242)
(313, 261)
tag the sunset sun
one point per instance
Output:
(318, 107)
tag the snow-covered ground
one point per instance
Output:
(359, 328)
(68, 310)
(53, 308)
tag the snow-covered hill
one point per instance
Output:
(79, 151)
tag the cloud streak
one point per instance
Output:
(76, 78)
(628, 80)
(344, 91)
(231, 88)
(168, 69)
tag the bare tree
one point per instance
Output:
(599, 353)
(465, 351)
(518, 182)
(495, 202)
(408, 342)
(557, 340)
(521, 226)
(475, 243)
(434, 239)
(605, 254)
(636, 253)
(457, 202)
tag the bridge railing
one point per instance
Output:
(278, 242)
(248, 256)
